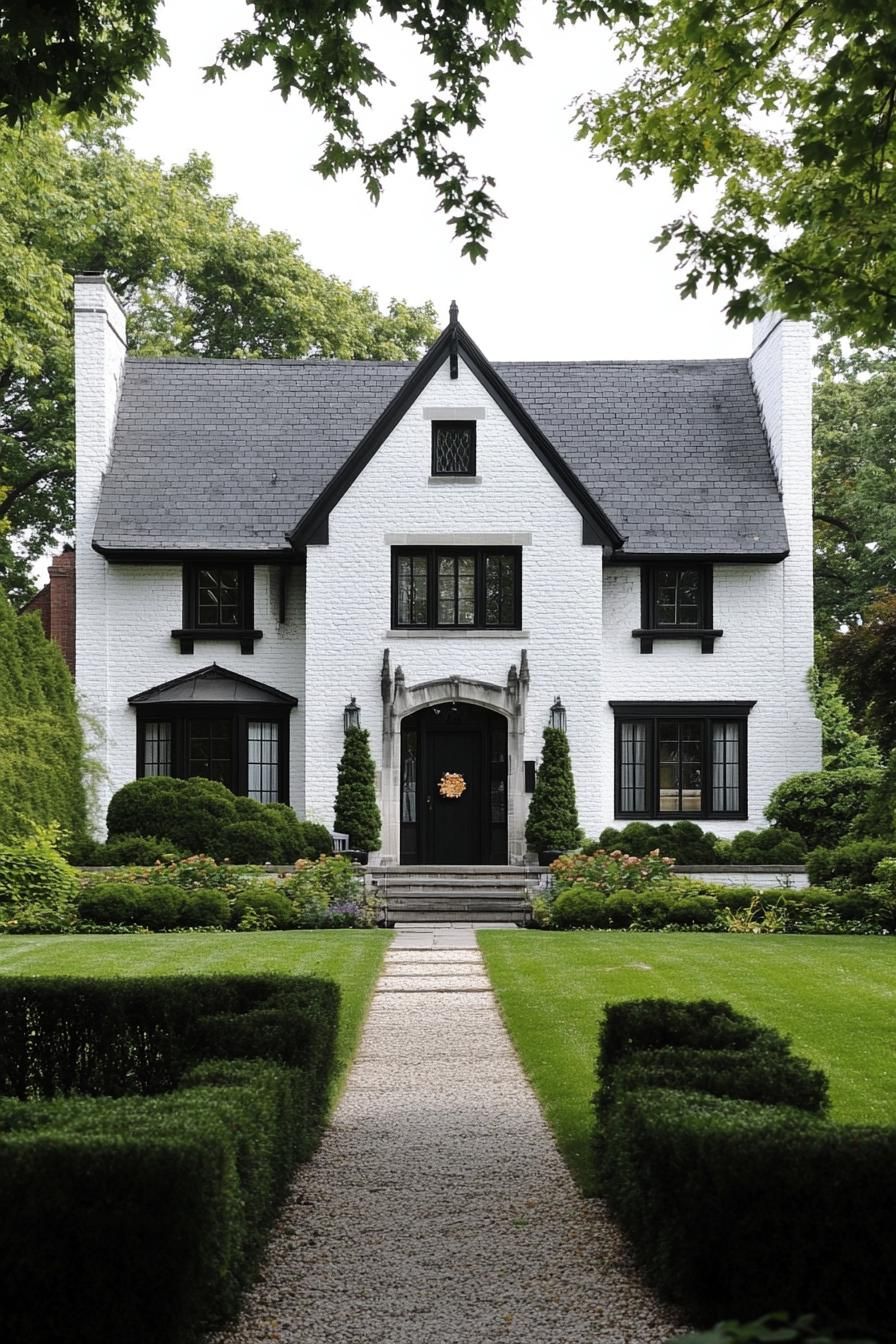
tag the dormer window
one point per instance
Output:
(454, 447)
(218, 604)
(676, 603)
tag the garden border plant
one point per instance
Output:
(213, 1086)
(714, 1154)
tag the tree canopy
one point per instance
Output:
(864, 661)
(194, 277)
(788, 105)
(854, 493)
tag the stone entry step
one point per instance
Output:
(453, 893)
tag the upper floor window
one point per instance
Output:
(676, 603)
(677, 597)
(457, 588)
(454, 447)
(217, 597)
(218, 604)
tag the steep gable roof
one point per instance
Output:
(228, 455)
(454, 342)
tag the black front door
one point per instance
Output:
(455, 758)
(454, 786)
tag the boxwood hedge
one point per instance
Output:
(160, 1120)
(715, 1156)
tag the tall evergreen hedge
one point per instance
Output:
(41, 741)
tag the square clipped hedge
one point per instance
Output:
(715, 1156)
(137, 1209)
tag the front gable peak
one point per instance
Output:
(454, 344)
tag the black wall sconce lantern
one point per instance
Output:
(557, 716)
(351, 715)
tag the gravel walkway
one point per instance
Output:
(437, 1210)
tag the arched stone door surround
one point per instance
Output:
(401, 700)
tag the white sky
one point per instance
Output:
(571, 273)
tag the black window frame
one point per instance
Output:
(706, 713)
(480, 554)
(241, 632)
(180, 717)
(452, 424)
(651, 628)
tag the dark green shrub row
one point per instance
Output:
(685, 903)
(125, 851)
(171, 1193)
(197, 893)
(731, 1203)
(687, 843)
(851, 864)
(823, 805)
(722, 1170)
(169, 1198)
(152, 905)
(200, 816)
(701, 1024)
(105, 1037)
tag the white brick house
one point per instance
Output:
(454, 544)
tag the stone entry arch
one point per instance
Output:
(401, 700)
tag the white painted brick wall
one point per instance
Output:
(99, 358)
(349, 589)
(577, 615)
(144, 604)
(781, 367)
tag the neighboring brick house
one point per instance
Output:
(55, 604)
(453, 544)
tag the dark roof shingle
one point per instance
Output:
(229, 454)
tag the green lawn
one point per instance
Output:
(835, 996)
(351, 957)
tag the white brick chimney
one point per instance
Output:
(100, 346)
(781, 368)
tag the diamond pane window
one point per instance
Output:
(456, 579)
(500, 589)
(411, 578)
(454, 448)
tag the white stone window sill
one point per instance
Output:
(455, 480)
(457, 632)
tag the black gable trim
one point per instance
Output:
(660, 557)
(157, 555)
(213, 670)
(597, 528)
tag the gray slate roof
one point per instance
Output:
(229, 454)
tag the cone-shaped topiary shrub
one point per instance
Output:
(357, 813)
(553, 821)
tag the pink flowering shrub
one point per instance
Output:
(608, 871)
